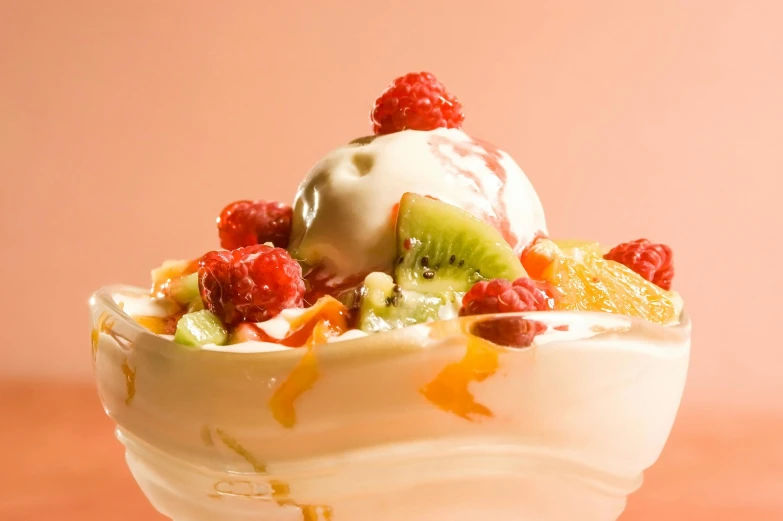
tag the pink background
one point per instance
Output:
(126, 126)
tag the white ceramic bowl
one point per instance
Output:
(419, 424)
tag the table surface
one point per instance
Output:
(66, 465)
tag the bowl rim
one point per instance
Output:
(104, 298)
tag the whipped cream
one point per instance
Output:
(343, 209)
(146, 306)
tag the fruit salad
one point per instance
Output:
(417, 223)
(405, 340)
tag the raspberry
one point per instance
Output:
(508, 331)
(652, 261)
(502, 296)
(416, 101)
(250, 284)
(246, 223)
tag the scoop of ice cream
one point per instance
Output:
(344, 209)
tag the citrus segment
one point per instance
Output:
(586, 281)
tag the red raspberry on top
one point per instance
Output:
(502, 296)
(416, 101)
(652, 261)
(250, 284)
(246, 223)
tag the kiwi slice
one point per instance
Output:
(184, 290)
(195, 305)
(200, 328)
(442, 248)
(384, 305)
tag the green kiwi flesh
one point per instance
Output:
(184, 290)
(200, 328)
(384, 305)
(442, 248)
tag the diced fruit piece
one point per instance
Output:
(168, 271)
(442, 248)
(502, 296)
(651, 261)
(247, 223)
(200, 328)
(384, 305)
(250, 284)
(247, 332)
(184, 290)
(195, 305)
(416, 101)
(587, 282)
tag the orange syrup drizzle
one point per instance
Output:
(160, 325)
(130, 381)
(157, 325)
(327, 310)
(316, 513)
(326, 319)
(280, 490)
(105, 324)
(450, 389)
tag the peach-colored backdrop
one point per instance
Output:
(125, 127)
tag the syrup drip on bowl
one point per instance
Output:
(326, 319)
(280, 490)
(104, 324)
(130, 381)
(450, 389)
(159, 325)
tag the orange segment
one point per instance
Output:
(588, 282)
